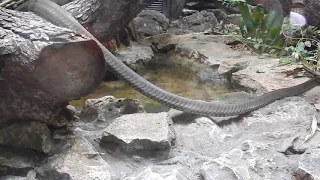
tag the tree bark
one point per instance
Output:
(44, 67)
(103, 17)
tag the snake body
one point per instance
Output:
(59, 16)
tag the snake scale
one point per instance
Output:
(60, 17)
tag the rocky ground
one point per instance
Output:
(116, 139)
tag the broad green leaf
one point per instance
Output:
(275, 26)
(246, 17)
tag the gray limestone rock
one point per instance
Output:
(109, 107)
(79, 160)
(12, 178)
(309, 165)
(264, 145)
(141, 132)
(136, 56)
(15, 163)
(34, 135)
(150, 23)
(175, 172)
(196, 22)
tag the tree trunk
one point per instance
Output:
(103, 17)
(44, 67)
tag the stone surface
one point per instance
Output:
(78, 160)
(265, 144)
(18, 162)
(12, 178)
(160, 172)
(140, 132)
(197, 22)
(34, 135)
(108, 107)
(308, 165)
(150, 22)
(136, 56)
(262, 73)
(253, 148)
(200, 46)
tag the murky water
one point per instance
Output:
(175, 80)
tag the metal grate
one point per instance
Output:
(156, 5)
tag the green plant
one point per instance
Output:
(305, 48)
(261, 32)
(265, 33)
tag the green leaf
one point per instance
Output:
(275, 25)
(242, 27)
(256, 46)
(246, 17)
(257, 16)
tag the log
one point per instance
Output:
(103, 17)
(45, 66)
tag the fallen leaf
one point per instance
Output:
(313, 129)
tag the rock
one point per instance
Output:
(79, 160)
(136, 132)
(72, 109)
(188, 12)
(12, 178)
(263, 139)
(219, 14)
(237, 164)
(308, 165)
(201, 47)
(108, 107)
(160, 172)
(197, 22)
(150, 22)
(136, 56)
(34, 135)
(201, 5)
(180, 116)
(71, 112)
(130, 106)
(264, 74)
(232, 18)
(18, 162)
(32, 174)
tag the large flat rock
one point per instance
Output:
(141, 131)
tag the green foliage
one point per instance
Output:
(305, 48)
(265, 33)
(262, 33)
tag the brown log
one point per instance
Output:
(44, 67)
(103, 17)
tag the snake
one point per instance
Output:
(61, 17)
